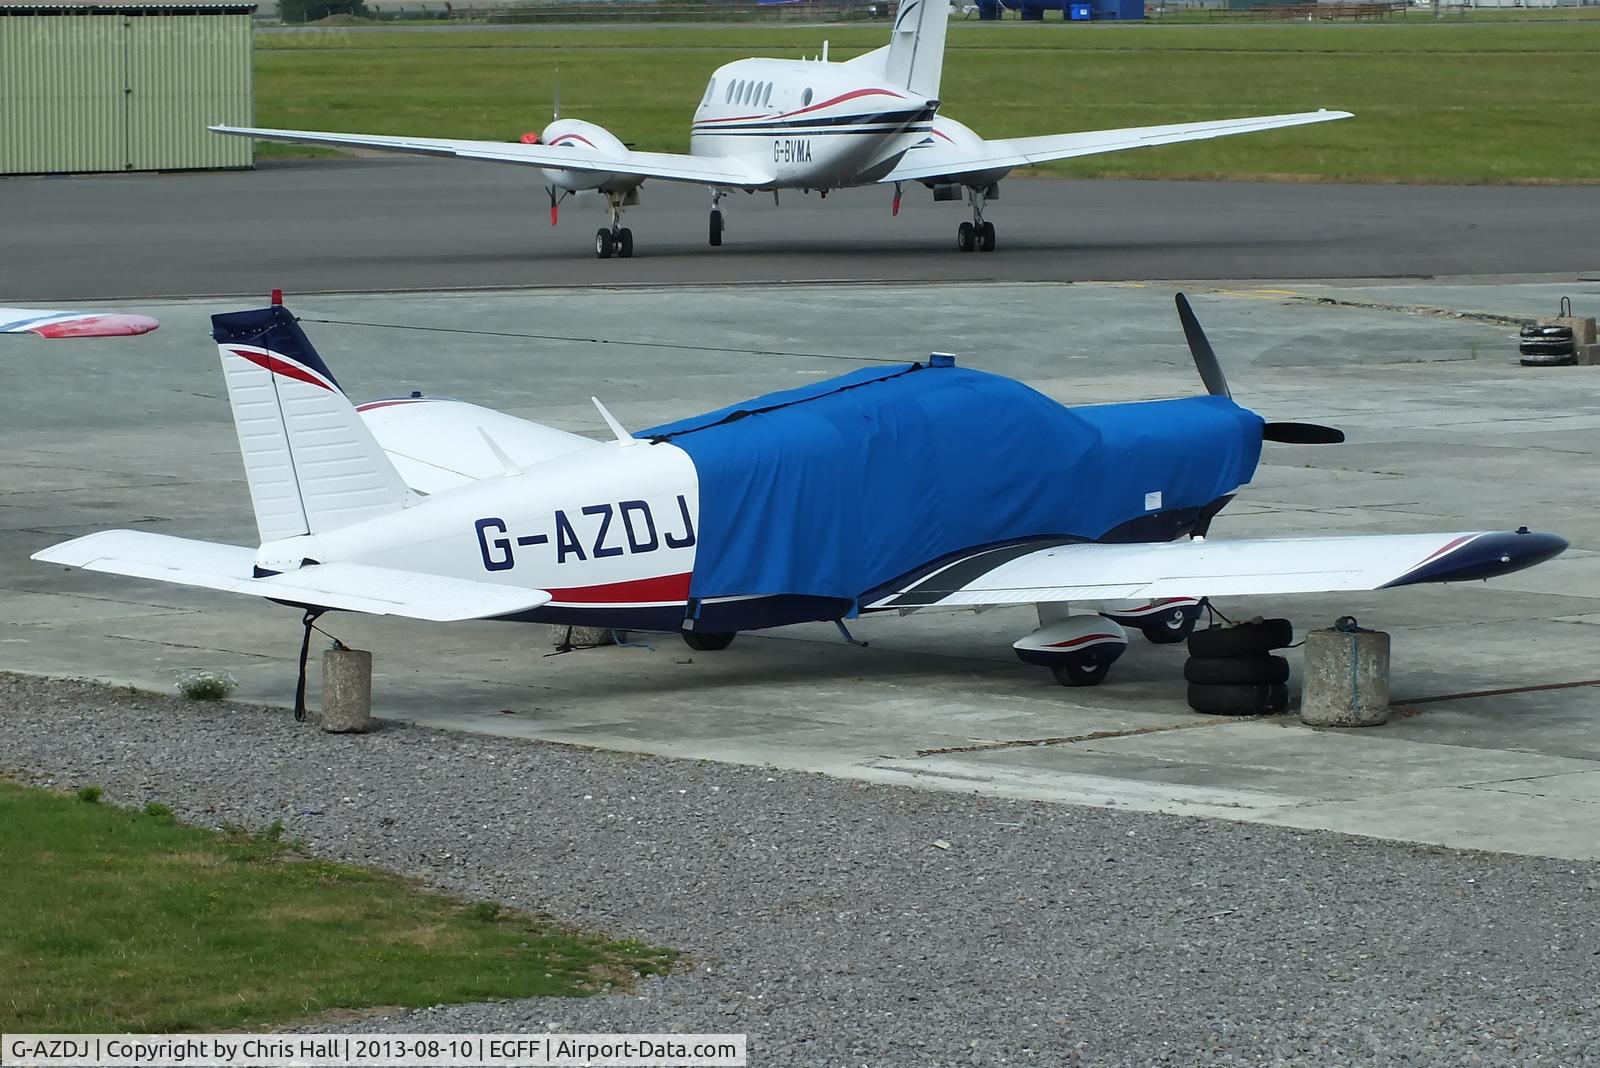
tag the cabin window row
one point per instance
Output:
(752, 94)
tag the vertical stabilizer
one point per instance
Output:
(311, 462)
(916, 46)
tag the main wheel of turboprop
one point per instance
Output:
(603, 244)
(624, 242)
(708, 642)
(986, 237)
(716, 227)
(966, 237)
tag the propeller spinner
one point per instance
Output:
(1216, 383)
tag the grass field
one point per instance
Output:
(123, 921)
(1452, 102)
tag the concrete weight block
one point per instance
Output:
(580, 637)
(346, 690)
(1346, 678)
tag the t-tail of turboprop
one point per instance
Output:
(311, 462)
(916, 46)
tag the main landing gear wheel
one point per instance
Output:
(613, 242)
(703, 642)
(1172, 626)
(1081, 674)
(716, 227)
(977, 235)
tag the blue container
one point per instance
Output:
(1080, 13)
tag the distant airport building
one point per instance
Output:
(87, 87)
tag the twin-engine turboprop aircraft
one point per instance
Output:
(771, 124)
(913, 488)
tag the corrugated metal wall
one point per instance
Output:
(123, 92)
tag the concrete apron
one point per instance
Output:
(1447, 433)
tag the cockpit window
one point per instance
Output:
(733, 87)
(711, 88)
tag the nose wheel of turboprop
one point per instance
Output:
(977, 235)
(616, 240)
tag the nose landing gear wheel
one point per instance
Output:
(986, 237)
(966, 237)
(716, 227)
(602, 244)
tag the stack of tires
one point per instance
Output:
(1232, 671)
(1548, 346)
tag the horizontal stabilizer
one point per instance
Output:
(378, 591)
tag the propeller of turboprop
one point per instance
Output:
(1216, 383)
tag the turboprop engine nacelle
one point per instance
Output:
(957, 142)
(579, 134)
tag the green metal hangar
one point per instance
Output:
(123, 86)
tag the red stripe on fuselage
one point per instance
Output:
(662, 589)
(280, 366)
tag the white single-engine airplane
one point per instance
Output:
(909, 488)
(771, 124)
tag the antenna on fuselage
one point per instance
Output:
(824, 51)
(556, 114)
(621, 433)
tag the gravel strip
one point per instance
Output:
(842, 923)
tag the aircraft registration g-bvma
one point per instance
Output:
(909, 488)
(771, 124)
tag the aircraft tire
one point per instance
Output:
(1244, 639)
(602, 244)
(1236, 670)
(624, 242)
(966, 237)
(703, 642)
(716, 227)
(1237, 700)
(986, 237)
(1081, 674)
(1172, 627)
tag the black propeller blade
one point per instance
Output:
(1205, 358)
(1302, 434)
(1210, 368)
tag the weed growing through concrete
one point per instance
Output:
(202, 684)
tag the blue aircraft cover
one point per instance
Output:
(836, 488)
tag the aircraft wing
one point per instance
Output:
(1204, 568)
(1024, 151)
(668, 166)
(378, 591)
(73, 323)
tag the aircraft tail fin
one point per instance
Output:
(310, 460)
(916, 46)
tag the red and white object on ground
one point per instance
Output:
(56, 324)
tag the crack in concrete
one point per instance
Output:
(1092, 736)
